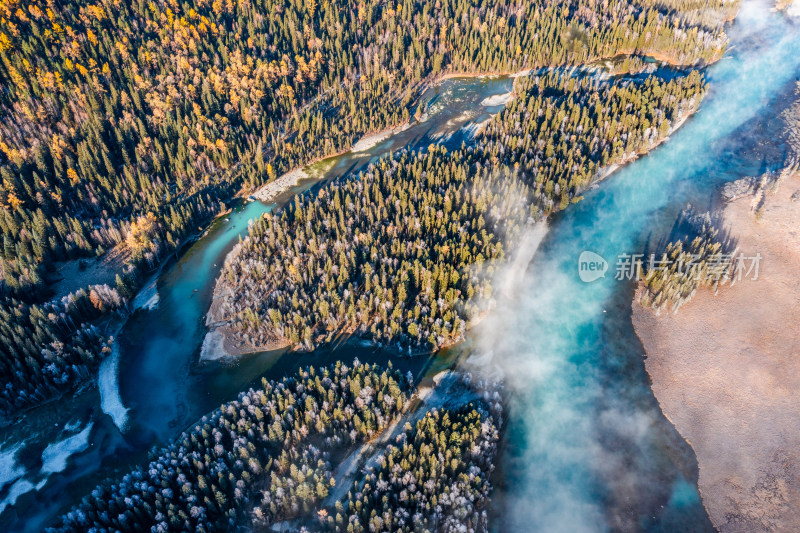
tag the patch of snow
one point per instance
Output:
(438, 378)
(460, 119)
(72, 425)
(473, 129)
(794, 9)
(442, 136)
(10, 470)
(17, 489)
(213, 347)
(147, 298)
(54, 460)
(498, 99)
(108, 383)
(54, 457)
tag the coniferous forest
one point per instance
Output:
(702, 256)
(270, 457)
(407, 252)
(55, 345)
(435, 479)
(126, 127)
(140, 118)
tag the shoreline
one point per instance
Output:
(608, 170)
(266, 193)
(725, 373)
(217, 345)
(621, 54)
(370, 140)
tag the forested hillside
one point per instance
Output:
(140, 117)
(270, 457)
(128, 125)
(407, 252)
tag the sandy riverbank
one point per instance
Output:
(268, 192)
(218, 343)
(726, 373)
(368, 141)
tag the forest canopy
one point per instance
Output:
(121, 115)
(127, 126)
(270, 457)
(406, 253)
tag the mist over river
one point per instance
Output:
(586, 447)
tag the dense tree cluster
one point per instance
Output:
(264, 457)
(402, 253)
(48, 349)
(700, 258)
(406, 253)
(268, 457)
(436, 478)
(561, 131)
(128, 124)
(123, 113)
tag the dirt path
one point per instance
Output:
(447, 392)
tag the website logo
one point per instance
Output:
(591, 267)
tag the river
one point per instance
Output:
(587, 448)
(153, 386)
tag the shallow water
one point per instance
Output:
(152, 386)
(590, 450)
(587, 448)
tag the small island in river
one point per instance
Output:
(405, 254)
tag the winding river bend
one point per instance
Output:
(152, 387)
(587, 448)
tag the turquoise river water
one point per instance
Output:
(586, 447)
